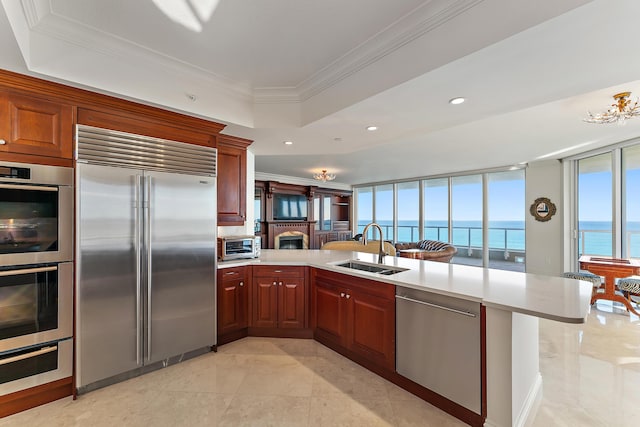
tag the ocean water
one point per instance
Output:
(594, 237)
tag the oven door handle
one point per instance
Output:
(27, 271)
(27, 187)
(35, 353)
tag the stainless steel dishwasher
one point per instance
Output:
(438, 345)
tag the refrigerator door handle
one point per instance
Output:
(137, 236)
(149, 181)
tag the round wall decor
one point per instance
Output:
(542, 209)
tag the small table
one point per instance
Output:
(610, 269)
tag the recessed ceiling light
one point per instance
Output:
(456, 101)
(287, 142)
(372, 128)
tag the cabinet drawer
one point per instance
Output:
(231, 273)
(371, 287)
(278, 271)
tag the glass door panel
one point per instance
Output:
(466, 202)
(384, 212)
(364, 203)
(436, 209)
(408, 211)
(595, 198)
(631, 202)
(506, 220)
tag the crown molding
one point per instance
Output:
(42, 19)
(286, 179)
(30, 9)
(276, 95)
(52, 25)
(405, 30)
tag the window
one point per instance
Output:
(436, 209)
(631, 201)
(466, 214)
(257, 209)
(408, 212)
(506, 200)
(608, 204)
(452, 209)
(364, 207)
(595, 220)
(383, 211)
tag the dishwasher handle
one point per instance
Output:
(441, 307)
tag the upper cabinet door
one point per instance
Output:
(232, 184)
(34, 126)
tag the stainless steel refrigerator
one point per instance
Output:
(146, 242)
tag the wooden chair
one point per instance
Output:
(630, 287)
(588, 277)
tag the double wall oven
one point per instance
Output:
(36, 275)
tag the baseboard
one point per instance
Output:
(529, 409)
(35, 396)
(531, 404)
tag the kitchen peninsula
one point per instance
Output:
(508, 307)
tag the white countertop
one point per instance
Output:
(555, 298)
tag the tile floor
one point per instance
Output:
(591, 377)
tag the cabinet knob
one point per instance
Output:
(348, 296)
(241, 283)
(2, 142)
(280, 283)
(274, 283)
(342, 294)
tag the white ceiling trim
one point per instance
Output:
(407, 29)
(31, 11)
(276, 95)
(55, 26)
(42, 19)
(264, 176)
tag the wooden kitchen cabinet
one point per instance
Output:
(232, 304)
(279, 297)
(33, 126)
(232, 180)
(355, 315)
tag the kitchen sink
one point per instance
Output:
(371, 268)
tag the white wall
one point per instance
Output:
(545, 240)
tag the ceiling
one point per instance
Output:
(318, 73)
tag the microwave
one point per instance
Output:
(238, 247)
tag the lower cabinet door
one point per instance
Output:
(330, 318)
(232, 306)
(291, 303)
(372, 328)
(265, 303)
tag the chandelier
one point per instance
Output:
(324, 176)
(622, 109)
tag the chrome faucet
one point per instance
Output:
(381, 252)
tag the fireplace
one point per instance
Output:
(291, 240)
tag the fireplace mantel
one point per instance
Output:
(278, 227)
